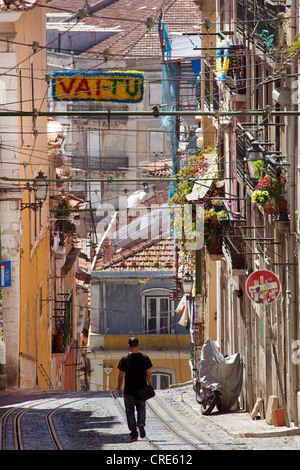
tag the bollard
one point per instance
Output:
(2, 356)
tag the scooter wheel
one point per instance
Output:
(198, 399)
(208, 405)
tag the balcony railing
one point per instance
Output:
(243, 142)
(62, 333)
(274, 162)
(257, 20)
(207, 87)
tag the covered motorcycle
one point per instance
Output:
(219, 380)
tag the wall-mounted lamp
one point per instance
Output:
(255, 153)
(187, 284)
(40, 188)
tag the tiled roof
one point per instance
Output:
(17, 5)
(153, 255)
(129, 16)
(162, 169)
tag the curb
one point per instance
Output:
(238, 424)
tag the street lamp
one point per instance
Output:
(187, 284)
(40, 188)
(254, 153)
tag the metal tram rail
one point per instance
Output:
(194, 441)
(17, 415)
(200, 440)
(160, 418)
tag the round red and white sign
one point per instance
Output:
(263, 287)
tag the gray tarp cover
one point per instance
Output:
(217, 372)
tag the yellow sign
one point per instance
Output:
(122, 87)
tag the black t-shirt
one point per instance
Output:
(134, 365)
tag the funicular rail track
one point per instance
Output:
(191, 437)
(16, 414)
(167, 422)
(31, 425)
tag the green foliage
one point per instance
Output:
(222, 215)
(259, 168)
(194, 169)
(293, 52)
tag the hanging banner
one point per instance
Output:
(116, 86)
(263, 287)
(222, 58)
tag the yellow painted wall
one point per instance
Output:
(165, 351)
(153, 342)
(181, 367)
(35, 246)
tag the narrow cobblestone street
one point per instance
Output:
(96, 421)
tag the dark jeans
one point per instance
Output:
(130, 404)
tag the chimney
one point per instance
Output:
(107, 252)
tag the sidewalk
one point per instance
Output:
(239, 423)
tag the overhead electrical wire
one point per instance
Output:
(66, 32)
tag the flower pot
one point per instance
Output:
(213, 221)
(224, 222)
(214, 246)
(278, 417)
(218, 207)
(268, 208)
(282, 205)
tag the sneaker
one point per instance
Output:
(142, 430)
(133, 439)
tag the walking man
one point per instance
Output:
(137, 370)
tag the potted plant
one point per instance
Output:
(282, 204)
(273, 185)
(218, 205)
(223, 218)
(259, 169)
(213, 238)
(210, 216)
(262, 198)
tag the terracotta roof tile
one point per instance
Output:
(17, 5)
(129, 16)
(154, 255)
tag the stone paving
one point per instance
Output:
(253, 433)
(104, 428)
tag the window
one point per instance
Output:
(161, 381)
(158, 311)
(162, 377)
(156, 146)
(155, 93)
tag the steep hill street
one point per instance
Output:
(96, 421)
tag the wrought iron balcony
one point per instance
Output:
(62, 334)
(243, 142)
(257, 21)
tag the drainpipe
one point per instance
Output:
(292, 284)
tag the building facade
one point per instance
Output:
(132, 296)
(252, 76)
(24, 234)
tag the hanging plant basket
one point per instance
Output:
(268, 208)
(282, 205)
(214, 248)
(224, 222)
(217, 205)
